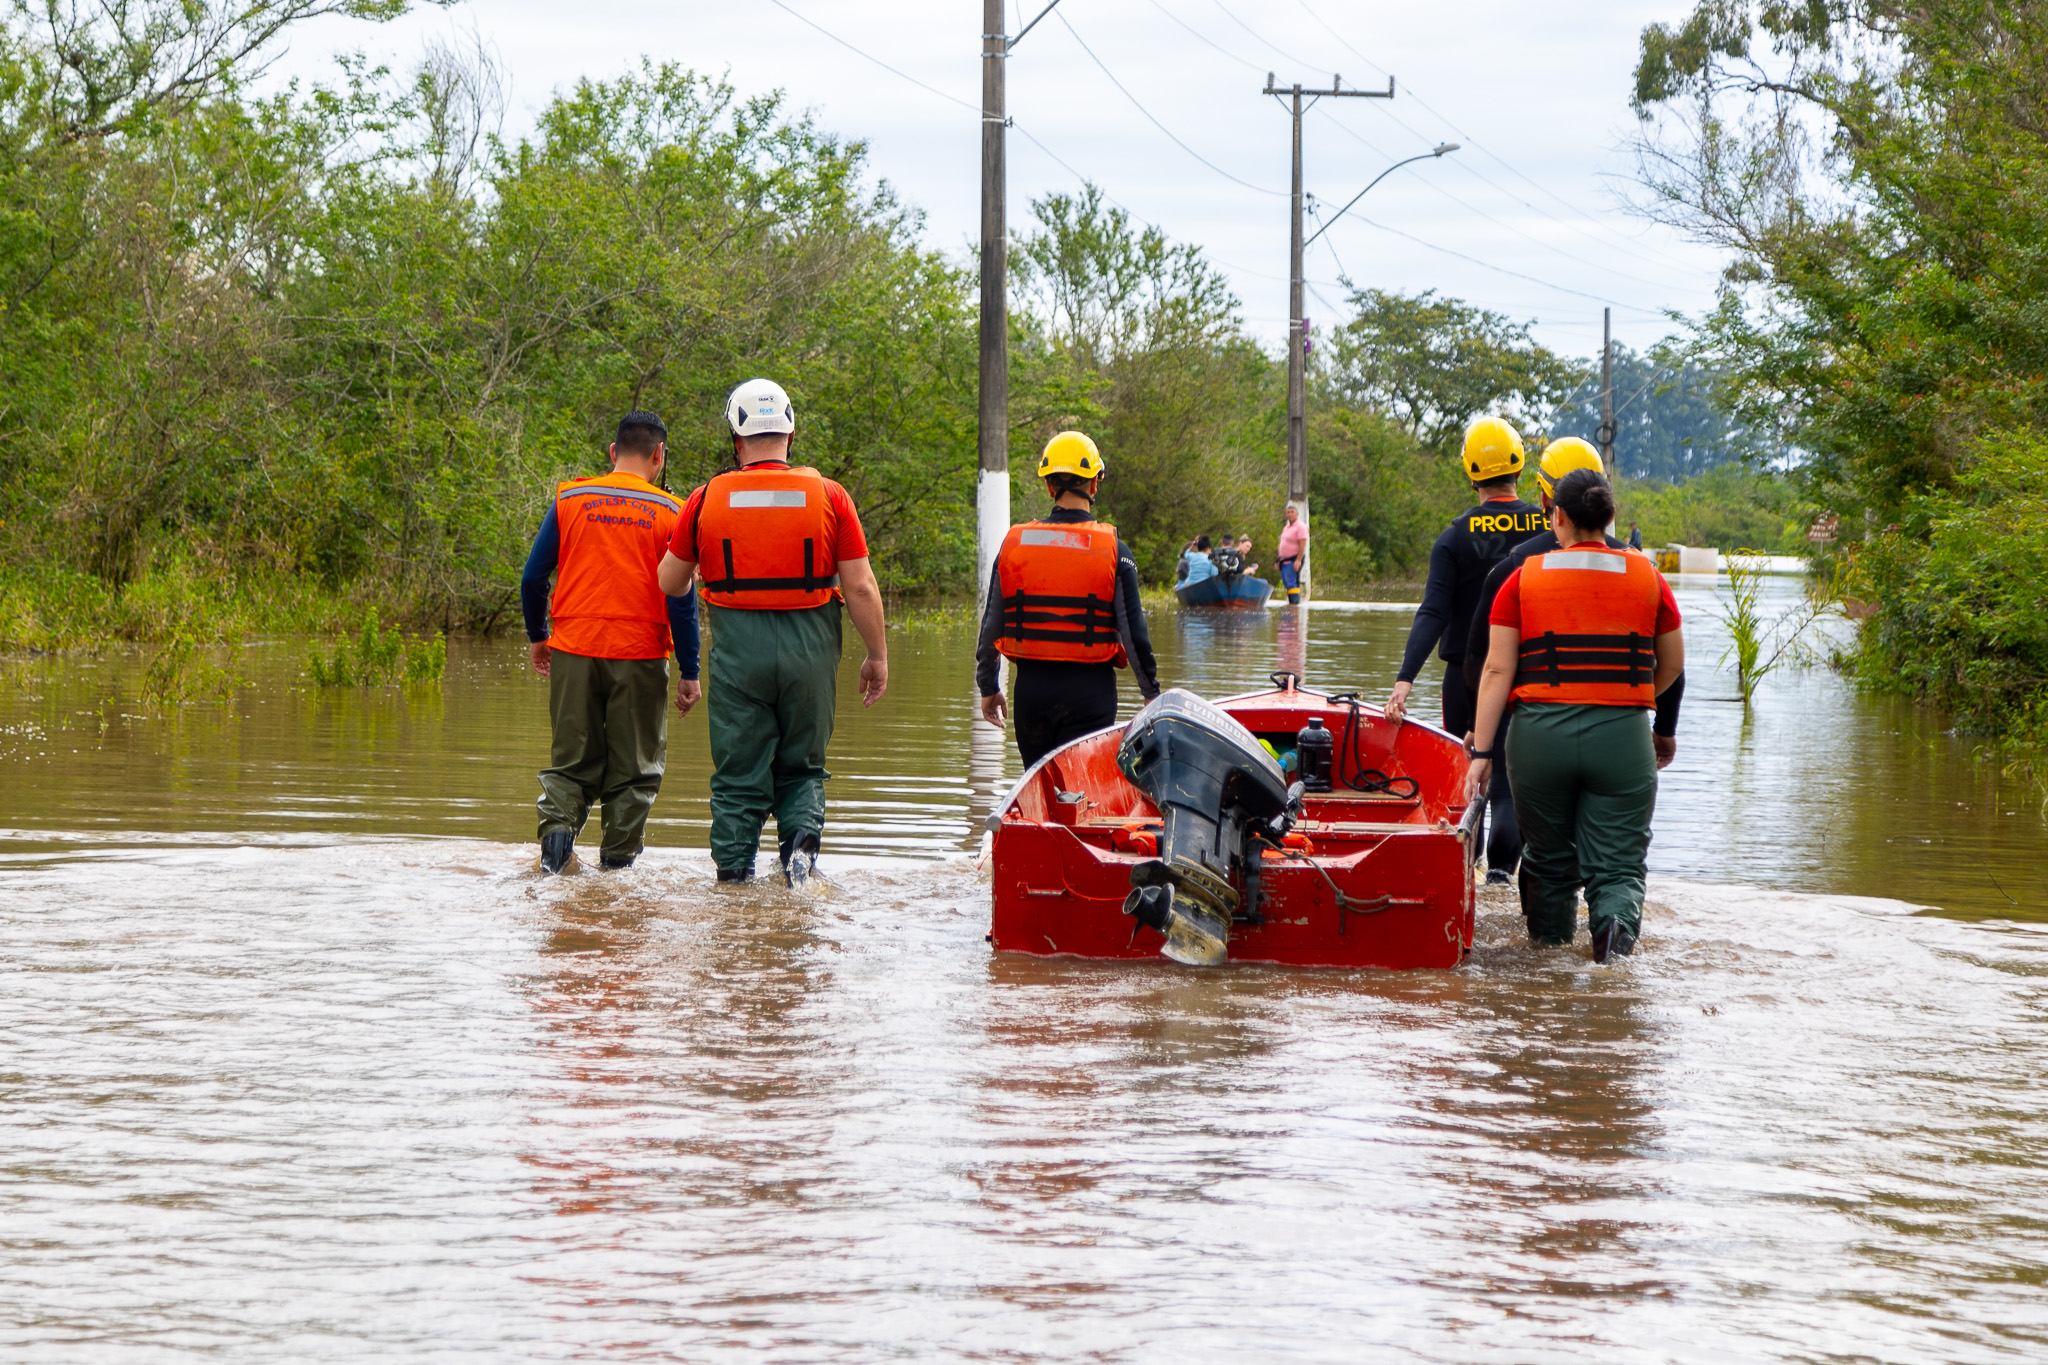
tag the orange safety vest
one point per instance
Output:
(764, 537)
(1058, 584)
(606, 603)
(1589, 627)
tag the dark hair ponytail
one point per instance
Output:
(1586, 498)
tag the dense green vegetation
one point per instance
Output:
(1879, 177)
(273, 361)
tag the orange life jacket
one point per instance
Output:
(765, 540)
(606, 603)
(1589, 627)
(1058, 584)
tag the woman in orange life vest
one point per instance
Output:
(1063, 604)
(1584, 638)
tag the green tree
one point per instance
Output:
(1877, 174)
(1435, 363)
(1137, 340)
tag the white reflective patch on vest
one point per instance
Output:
(768, 497)
(1585, 559)
(1063, 540)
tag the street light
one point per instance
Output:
(1441, 149)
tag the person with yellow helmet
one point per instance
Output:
(1560, 458)
(1063, 605)
(1585, 636)
(1476, 540)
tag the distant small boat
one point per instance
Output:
(1240, 591)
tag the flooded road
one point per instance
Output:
(304, 1061)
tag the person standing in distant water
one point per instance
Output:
(1288, 554)
(1635, 536)
(603, 645)
(781, 547)
(1063, 604)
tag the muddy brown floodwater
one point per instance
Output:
(303, 1060)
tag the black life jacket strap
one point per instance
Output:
(1083, 617)
(1553, 659)
(808, 581)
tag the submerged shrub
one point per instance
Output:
(376, 657)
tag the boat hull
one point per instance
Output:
(1248, 593)
(1386, 882)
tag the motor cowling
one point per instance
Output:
(1213, 782)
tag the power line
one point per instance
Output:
(876, 60)
(1148, 114)
(1202, 37)
(1503, 270)
(1521, 232)
(1260, 38)
(1626, 243)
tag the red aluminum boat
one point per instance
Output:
(1374, 873)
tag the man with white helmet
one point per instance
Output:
(780, 548)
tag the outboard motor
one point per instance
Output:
(1212, 782)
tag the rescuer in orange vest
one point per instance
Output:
(1584, 638)
(780, 547)
(1063, 603)
(603, 643)
(1560, 458)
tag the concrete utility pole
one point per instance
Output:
(1607, 390)
(1297, 335)
(992, 441)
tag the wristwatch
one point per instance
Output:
(1488, 754)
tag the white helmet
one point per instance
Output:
(759, 407)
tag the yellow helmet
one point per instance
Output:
(1561, 457)
(1070, 452)
(1493, 450)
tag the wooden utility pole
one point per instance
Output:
(992, 441)
(1607, 390)
(1297, 333)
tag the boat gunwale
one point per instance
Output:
(1465, 828)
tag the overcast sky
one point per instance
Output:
(1537, 95)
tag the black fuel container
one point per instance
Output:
(1317, 748)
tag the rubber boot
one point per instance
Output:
(800, 857)
(607, 863)
(556, 850)
(735, 874)
(1612, 939)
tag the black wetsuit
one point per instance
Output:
(1056, 700)
(1476, 540)
(1479, 637)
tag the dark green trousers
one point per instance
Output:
(773, 686)
(1585, 783)
(611, 743)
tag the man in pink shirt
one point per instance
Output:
(1293, 541)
